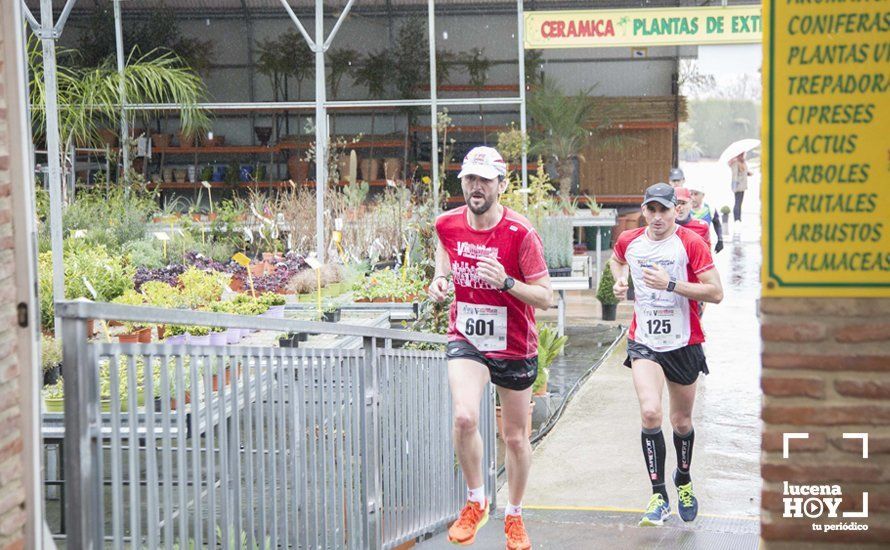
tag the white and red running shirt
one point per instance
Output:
(497, 323)
(664, 321)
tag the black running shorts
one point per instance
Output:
(681, 366)
(513, 374)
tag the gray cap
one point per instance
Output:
(676, 174)
(661, 193)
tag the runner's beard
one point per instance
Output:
(486, 204)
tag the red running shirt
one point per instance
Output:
(497, 323)
(701, 228)
(664, 321)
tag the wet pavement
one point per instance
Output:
(591, 462)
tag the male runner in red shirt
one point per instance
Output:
(672, 269)
(496, 260)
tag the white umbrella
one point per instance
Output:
(737, 148)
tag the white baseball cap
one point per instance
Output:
(696, 187)
(484, 162)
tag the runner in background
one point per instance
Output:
(702, 211)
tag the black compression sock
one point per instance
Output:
(683, 446)
(653, 453)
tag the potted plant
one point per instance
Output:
(567, 125)
(556, 234)
(606, 295)
(354, 195)
(199, 335)
(550, 346)
(133, 332)
(724, 215)
(274, 303)
(54, 397)
(50, 359)
(331, 308)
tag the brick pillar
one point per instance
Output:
(12, 489)
(826, 371)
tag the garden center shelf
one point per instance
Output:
(189, 186)
(260, 149)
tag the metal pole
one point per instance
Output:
(119, 48)
(434, 130)
(83, 451)
(47, 40)
(321, 131)
(520, 37)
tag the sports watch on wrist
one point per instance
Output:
(508, 284)
(672, 284)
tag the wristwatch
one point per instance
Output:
(508, 284)
(672, 284)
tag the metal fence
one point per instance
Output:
(191, 446)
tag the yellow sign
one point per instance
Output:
(642, 27)
(241, 259)
(826, 199)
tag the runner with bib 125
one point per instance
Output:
(495, 259)
(672, 270)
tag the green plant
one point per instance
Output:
(725, 210)
(50, 352)
(200, 288)
(131, 298)
(89, 98)
(567, 125)
(556, 234)
(605, 293)
(198, 330)
(160, 294)
(146, 253)
(550, 345)
(92, 266)
(374, 74)
(355, 193)
(55, 391)
(534, 72)
(270, 299)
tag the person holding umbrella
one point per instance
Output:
(740, 175)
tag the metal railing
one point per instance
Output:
(240, 446)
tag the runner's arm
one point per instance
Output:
(620, 272)
(443, 263)
(537, 293)
(718, 227)
(708, 289)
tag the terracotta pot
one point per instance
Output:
(258, 269)
(297, 169)
(370, 169)
(212, 216)
(109, 137)
(196, 217)
(500, 421)
(91, 328)
(162, 330)
(132, 338)
(161, 140)
(392, 168)
(185, 140)
(144, 335)
(236, 284)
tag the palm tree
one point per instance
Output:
(565, 125)
(477, 67)
(341, 63)
(372, 74)
(89, 98)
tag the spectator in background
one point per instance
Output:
(740, 175)
(702, 211)
(676, 178)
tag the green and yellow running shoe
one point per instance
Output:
(657, 511)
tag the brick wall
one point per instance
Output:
(12, 488)
(826, 371)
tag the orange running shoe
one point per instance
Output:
(471, 519)
(517, 538)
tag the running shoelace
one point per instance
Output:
(654, 503)
(685, 494)
(515, 529)
(470, 515)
